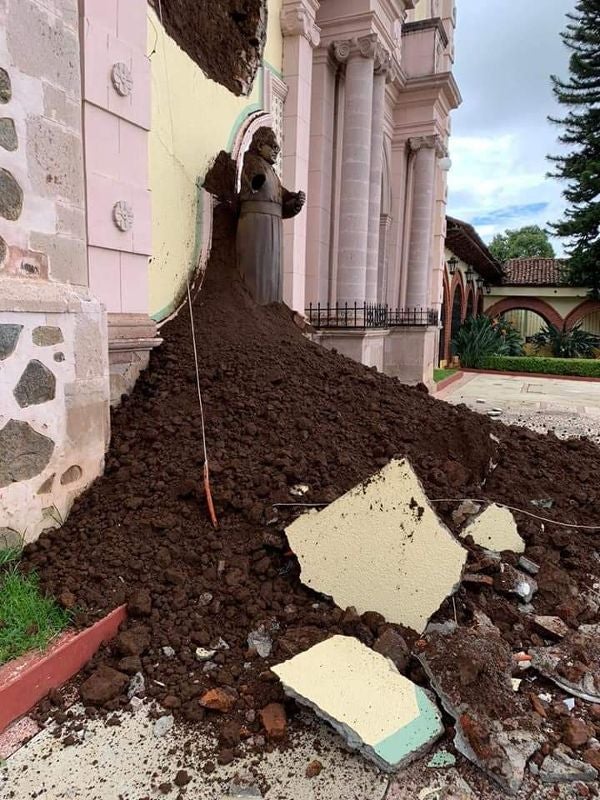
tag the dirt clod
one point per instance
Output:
(274, 720)
(313, 769)
(103, 685)
(222, 700)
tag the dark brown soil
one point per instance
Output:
(281, 410)
(226, 38)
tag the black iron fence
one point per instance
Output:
(368, 315)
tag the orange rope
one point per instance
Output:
(209, 500)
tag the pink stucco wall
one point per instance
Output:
(116, 129)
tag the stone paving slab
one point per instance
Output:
(568, 408)
(127, 762)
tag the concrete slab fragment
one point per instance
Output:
(363, 696)
(495, 529)
(470, 671)
(558, 664)
(380, 547)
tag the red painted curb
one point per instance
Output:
(545, 375)
(448, 381)
(26, 680)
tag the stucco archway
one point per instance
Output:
(456, 309)
(444, 320)
(581, 311)
(545, 310)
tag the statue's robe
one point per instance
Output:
(264, 202)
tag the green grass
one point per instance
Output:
(583, 367)
(440, 374)
(28, 619)
(9, 556)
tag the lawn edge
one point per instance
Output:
(26, 680)
(511, 374)
(449, 380)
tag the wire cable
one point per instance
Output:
(209, 501)
(520, 511)
(462, 500)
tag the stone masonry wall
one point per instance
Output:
(54, 421)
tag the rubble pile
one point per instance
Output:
(511, 653)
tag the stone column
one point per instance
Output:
(425, 149)
(319, 206)
(358, 55)
(385, 223)
(300, 36)
(382, 67)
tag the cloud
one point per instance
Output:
(501, 133)
(509, 214)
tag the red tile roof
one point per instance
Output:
(533, 272)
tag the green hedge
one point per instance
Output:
(584, 367)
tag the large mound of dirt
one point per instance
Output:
(280, 410)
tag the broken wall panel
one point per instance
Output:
(362, 695)
(381, 548)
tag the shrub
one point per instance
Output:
(567, 343)
(480, 337)
(511, 337)
(583, 367)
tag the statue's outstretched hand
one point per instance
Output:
(299, 202)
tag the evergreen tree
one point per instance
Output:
(581, 167)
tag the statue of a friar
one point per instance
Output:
(264, 202)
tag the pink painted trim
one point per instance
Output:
(543, 375)
(26, 680)
(449, 380)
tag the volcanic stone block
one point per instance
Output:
(8, 134)
(24, 452)
(5, 86)
(47, 485)
(362, 695)
(11, 196)
(9, 336)
(380, 548)
(36, 385)
(71, 475)
(46, 335)
(495, 529)
(10, 538)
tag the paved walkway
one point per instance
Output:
(128, 761)
(569, 408)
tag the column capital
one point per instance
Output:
(433, 142)
(367, 46)
(384, 64)
(298, 19)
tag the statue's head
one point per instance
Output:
(264, 144)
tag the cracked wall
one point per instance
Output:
(226, 39)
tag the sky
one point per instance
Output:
(505, 54)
